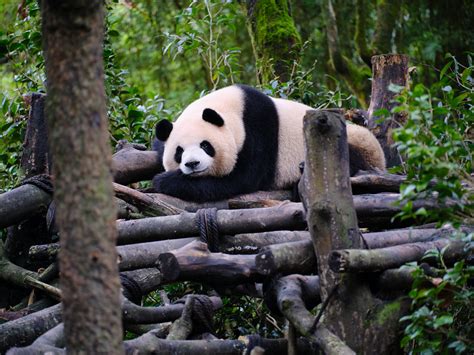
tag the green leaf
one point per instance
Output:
(443, 320)
(445, 68)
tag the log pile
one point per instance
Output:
(296, 256)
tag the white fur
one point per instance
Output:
(226, 140)
(290, 141)
(195, 153)
(190, 129)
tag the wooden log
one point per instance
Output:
(375, 183)
(183, 326)
(195, 262)
(147, 205)
(387, 69)
(253, 200)
(125, 210)
(307, 287)
(379, 208)
(355, 260)
(12, 273)
(252, 243)
(143, 255)
(20, 203)
(288, 292)
(50, 342)
(287, 258)
(135, 314)
(148, 279)
(133, 165)
(229, 221)
(393, 280)
(150, 343)
(24, 331)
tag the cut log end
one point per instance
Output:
(169, 266)
(265, 263)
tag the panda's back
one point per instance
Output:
(259, 153)
(291, 142)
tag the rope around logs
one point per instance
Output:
(202, 313)
(41, 181)
(206, 221)
(132, 289)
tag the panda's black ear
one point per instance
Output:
(163, 130)
(211, 116)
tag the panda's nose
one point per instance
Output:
(192, 164)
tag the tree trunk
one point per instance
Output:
(275, 38)
(81, 155)
(353, 314)
(387, 69)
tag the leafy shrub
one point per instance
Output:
(437, 146)
(442, 315)
(437, 143)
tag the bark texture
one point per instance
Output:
(275, 38)
(332, 223)
(387, 69)
(77, 127)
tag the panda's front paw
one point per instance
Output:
(167, 182)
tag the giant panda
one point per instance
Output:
(238, 140)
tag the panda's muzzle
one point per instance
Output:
(192, 164)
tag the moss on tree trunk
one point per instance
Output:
(275, 37)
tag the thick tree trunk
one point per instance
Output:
(274, 36)
(77, 127)
(332, 223)
(387, 69)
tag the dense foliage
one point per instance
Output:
(437, 145)
(160, 55)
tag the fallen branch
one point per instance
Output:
(12, 273)
(195, 262)
(50, 342)
(25, 330)
(20, 203)
(51, 291)
(147, 205)
(287, 258)
(289, 298)
(355, 260)
(374, 183)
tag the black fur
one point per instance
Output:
(256, 162)
(211, 116)
(178, 154)
(208, 148)
(163, 130)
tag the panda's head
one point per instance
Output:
(199, 143)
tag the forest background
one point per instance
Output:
(161, 55)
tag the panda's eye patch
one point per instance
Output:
(178, 154)
(208, 148)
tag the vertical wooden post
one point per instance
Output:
(35, 157)
(332, 223)
(387, 69)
